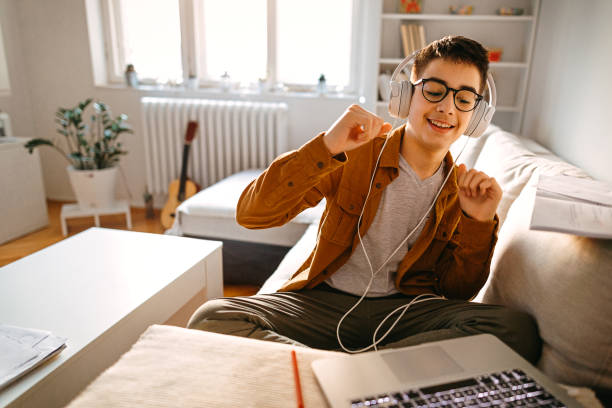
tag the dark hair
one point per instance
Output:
(457, 49)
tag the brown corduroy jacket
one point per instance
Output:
(451, 257)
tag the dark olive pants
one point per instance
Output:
(310, 317)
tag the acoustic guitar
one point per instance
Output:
(180, 190)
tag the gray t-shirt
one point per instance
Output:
(402, 206)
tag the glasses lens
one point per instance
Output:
(465, 100)
(434, 91)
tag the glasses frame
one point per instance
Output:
(423, 81)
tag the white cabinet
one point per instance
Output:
(23, 207)
(514, 34)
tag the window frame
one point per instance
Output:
(192, 37)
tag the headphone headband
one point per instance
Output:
(410, 59)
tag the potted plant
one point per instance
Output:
(93, 151)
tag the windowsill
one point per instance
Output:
(217, 93)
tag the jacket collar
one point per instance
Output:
(451, 185)
(390, 158)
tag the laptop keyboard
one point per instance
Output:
(512, 388)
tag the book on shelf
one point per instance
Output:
(405, 39)
(413, 38)
(422, 40)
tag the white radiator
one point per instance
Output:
(232, 136)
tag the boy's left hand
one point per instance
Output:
(479, 194)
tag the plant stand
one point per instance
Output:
(74, 211)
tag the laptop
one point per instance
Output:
(473, 371)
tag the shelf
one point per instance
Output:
(517, 39)
(501, 64)
(456, 17)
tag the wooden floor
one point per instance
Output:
(35, 241)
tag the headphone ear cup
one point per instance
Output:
(405, 98)
(395, 92)
(399, 100)
(481, 117)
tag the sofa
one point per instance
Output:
(563, 280)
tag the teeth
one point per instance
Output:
(440, 124)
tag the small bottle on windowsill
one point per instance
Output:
(131, 78)
(322, 85)
(225, 82)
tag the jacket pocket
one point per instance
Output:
(340, 225)
(443, 233)
(441, 240)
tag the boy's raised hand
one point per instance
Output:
(355, 127)
(479, 194)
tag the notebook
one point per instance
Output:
(473, 371)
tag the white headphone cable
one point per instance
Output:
(417, 299)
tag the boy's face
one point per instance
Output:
(435, 126)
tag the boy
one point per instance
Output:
(448, 254)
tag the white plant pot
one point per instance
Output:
(94, 188)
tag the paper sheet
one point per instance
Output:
(573, 205)
(23, 349)
(593, 191)
(579, 218)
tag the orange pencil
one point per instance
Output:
(296, 376)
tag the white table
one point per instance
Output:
(101, 289)
(75, 210)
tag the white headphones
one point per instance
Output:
(401, 94)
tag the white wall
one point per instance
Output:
(54, 41)
(18, 102)
(5, 84)
(569, 103)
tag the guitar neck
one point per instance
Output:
(183, 179)
(192, 126)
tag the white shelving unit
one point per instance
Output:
(514, 34)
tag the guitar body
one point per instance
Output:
(169, 211)
(183, 188)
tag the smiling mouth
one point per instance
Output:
(439, 125)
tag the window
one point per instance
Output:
(313, 40)
(152, 37)
(234, 40)
(281, 41)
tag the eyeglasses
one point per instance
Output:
(435, 90)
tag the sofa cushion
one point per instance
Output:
(220, 199)
(564, 281)
(505, 157)
(211, 213)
